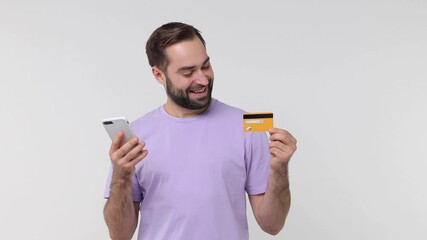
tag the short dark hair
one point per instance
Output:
(166, 35)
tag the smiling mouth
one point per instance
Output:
(198, 91)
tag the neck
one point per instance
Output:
(179, 112)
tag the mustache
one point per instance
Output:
(198, 87)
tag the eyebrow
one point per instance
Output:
(192, 67)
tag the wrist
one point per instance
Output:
(121, 176)
(280, 169)
(120, 181)
(120, 187)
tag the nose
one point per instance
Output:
(202, 77)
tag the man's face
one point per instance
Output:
(189, 75)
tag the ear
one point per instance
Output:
(159, 75)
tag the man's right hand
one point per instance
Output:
(125, 158)
(120, 212)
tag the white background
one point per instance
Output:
(347, 78)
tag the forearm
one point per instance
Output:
(274, 208)
(119, 212)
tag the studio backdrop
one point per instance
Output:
(347, 78)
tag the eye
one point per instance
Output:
(207, 66)
(187, 74)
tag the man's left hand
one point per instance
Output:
(282, 147)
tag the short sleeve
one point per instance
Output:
(257, 159)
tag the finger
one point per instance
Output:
(115, 145)
(284, 148)
(134, 152)
(275, 152)
(289, 140)
(279, 145)
(127, 147)
(278, 137)
(282, 153)
(283, 136)
(276, 130)
(138, 158)
(292, 138)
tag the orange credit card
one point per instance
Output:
(257, 122)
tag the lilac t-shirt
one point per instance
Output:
(193, 181)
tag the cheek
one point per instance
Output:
(182, 83)
(210, 72)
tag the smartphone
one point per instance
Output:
(117, 124)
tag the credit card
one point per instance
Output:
(257, 122)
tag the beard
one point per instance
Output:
(182, 99)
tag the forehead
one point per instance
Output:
(187, 53)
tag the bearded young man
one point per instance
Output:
(190, 165)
